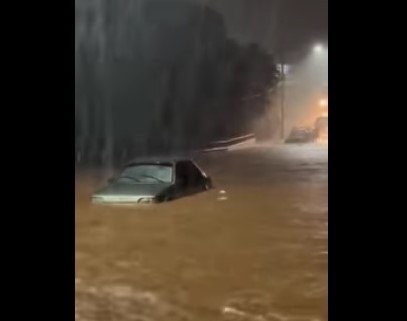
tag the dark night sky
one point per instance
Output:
(299, 23)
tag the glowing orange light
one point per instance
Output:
(323, 103)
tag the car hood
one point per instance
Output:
(119, 192)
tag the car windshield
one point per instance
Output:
(147, 174)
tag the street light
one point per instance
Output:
(318, 48)
(323, 103)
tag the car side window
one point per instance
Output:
(188, 175)
(195, 175)
(181, 173)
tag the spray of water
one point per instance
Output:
(306, 87)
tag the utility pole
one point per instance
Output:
(282, 96)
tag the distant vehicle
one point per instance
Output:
(300, 135)
(154, 180)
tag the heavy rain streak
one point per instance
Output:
(201, 160)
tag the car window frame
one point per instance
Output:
(172, 164)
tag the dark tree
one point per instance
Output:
(158, 76)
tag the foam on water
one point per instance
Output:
(122, 303)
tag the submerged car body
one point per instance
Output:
(154, 180)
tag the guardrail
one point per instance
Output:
(224, 145)
(232, 141)
(217, 146)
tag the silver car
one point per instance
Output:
(154, 180)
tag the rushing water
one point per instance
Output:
(254, 248)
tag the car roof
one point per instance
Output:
(158, 159)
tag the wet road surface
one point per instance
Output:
(255, 251)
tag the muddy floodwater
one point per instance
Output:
(253, 249)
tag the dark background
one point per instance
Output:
(171, 75)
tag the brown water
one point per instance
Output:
(257, 252)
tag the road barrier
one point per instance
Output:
(231, 143)
(216, 146)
